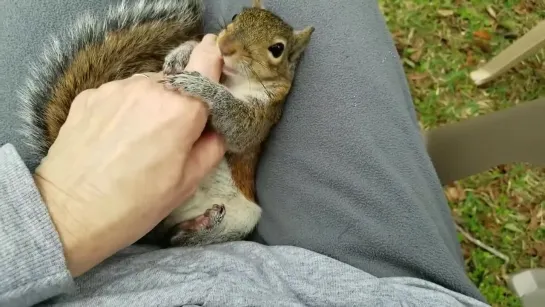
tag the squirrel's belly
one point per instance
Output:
(218, 188)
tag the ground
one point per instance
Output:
(440, 42)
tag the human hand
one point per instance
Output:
(128, 154)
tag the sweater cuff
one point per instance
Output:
(32, 263)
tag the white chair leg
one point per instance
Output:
(522, 48)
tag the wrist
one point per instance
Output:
(77, 238)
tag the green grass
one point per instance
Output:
(441, 41)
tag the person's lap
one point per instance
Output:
(345, 173)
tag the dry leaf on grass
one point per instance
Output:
(445, 13)
(512, 227)
(417, 76)
(483, 45)
(418, 46)
(490, 10)
(540, 249)
(490, 223)
(521, 9)
(482, 34)
(534, 223)
(417, 55)
(470, 59)
(455, 193)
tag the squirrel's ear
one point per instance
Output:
(257, 4)
(300, 42)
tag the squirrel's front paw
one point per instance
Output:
(177, 59)
(194, 84)
(226, 111)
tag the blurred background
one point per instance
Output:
(440, 43)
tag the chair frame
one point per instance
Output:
(527, 45)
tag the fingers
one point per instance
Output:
(206, 58)
(209, 149)
(207, 152)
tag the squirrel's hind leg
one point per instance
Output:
(177, 59)
(222, 223)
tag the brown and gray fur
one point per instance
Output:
(160, 35)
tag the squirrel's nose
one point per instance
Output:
(227, 47)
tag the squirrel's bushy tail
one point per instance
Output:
(135, 36)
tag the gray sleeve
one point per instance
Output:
(32, 265)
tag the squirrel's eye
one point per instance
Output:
(234, 16)
(276, 49)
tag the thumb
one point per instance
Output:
(206, 58)
(205, 155)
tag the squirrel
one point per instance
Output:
(260, 53)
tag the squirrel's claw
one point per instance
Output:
(177, 59)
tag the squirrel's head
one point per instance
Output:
(260, 45)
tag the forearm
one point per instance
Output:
(32, 263)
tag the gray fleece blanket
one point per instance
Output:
(345, 173)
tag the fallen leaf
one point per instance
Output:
(397, 34)
(513, 228)
(536, 249)
(517, 199)
(419, 42)
(489, 222)
(482, 34)
(484, 104)
(534, 223)
(470, 60)
(531, 251)
(417, 76)
(540, 248)
(400, 48)
(445, 13)
(417, 55)
(491, 12)
(520, 9)
(484, 46)
(455, 193)
(409, 63)
(411, 34)
(540, 213)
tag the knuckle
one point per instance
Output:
(188, 107)
(142, 86)
(86, 93)
(109, 86)
(83, 97)
(196, 110)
